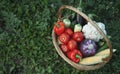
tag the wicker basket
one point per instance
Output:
(75, 65)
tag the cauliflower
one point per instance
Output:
(90, 31)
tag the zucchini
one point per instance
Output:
(104, 46)
(101, 43)
(105, 52)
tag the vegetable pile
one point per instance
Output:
(81, 43)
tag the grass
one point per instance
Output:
(25, 36)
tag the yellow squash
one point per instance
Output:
(91, 60)
(97, 58)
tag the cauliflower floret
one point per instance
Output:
(101, 25)
(90, 31)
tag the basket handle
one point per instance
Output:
(94, 24)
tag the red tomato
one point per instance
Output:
(64, 48)
(69, 31)
(59, 28)
(64, 38)
(72, 44)
(78, 36)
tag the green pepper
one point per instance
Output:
(77, 28)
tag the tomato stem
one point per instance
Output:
(57, 25)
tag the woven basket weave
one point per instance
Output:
(75, 65)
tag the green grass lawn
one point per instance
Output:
(25, 35)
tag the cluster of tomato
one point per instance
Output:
(68, 40)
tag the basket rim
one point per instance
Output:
(59, 51)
